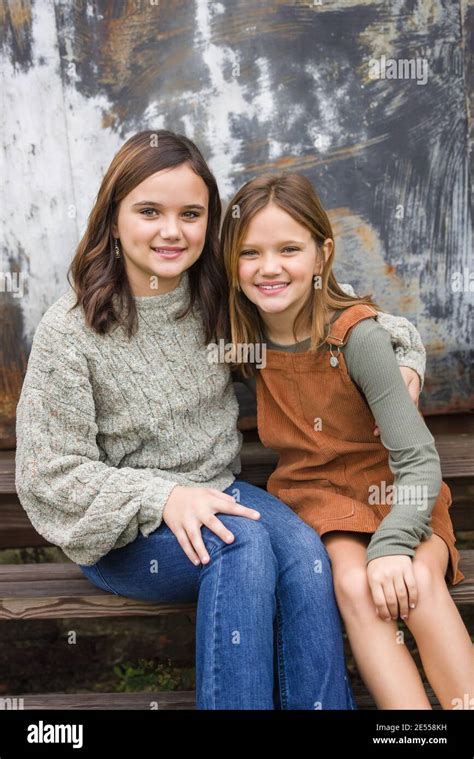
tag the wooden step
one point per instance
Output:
(51, 591)
(7, 472)
(145, 700)
(103, 701)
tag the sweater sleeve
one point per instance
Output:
(74, 499)
(413, 458)
(405, 339)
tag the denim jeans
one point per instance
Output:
(268, 630)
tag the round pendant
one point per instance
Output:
(333, 361)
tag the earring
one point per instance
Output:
(117, 249)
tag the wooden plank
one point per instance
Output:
(104, 701)
(151, 700)
(464, 592)
(16, 530)
(45, 572)
(456, 453)
(52, 591)
(86, 607)
(7, 472)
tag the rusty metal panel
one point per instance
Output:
(369, 99)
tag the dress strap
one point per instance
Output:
(339, 331)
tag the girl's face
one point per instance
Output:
(277, 262)
(161, 225)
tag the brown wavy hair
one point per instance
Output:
(98, 275)
(294, 194)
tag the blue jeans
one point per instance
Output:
(268, 630)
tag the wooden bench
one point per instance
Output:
(60, 590)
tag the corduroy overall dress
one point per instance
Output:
(313, 414)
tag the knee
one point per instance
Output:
(352, 591)
(251, 539)
(427, 578)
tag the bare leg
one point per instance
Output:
(385, 664)
(443, 641)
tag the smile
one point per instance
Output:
(273, 289)
(168, 253)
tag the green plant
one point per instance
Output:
(148, 675)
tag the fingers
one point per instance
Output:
(183, 541)
(407, 592)
(412, 588)
(380, 602)
(395, 597)
(195, 537)
(215, 524)
(190, 517)
(402, 596)
(385, 600)
(232, 507)
(391, 598)
(238, 510)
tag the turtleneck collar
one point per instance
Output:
(169, 304)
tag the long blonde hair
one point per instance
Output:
(294, 194)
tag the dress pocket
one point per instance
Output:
(320, 506)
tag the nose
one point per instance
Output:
(270, 266)
(170, 229)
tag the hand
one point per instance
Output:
(413, 383)
(393, 586)
(188, 509)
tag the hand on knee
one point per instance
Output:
(393, 586)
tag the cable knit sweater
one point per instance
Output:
(107, 426)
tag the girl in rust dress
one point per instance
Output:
(328, 376)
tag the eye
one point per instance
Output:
(248, 253)
(144, 212)
(290, 249)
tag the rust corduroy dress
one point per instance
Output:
(324, 475)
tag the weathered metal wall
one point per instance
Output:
(259, 86)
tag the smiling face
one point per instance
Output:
(161, 225)
(278, 259)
